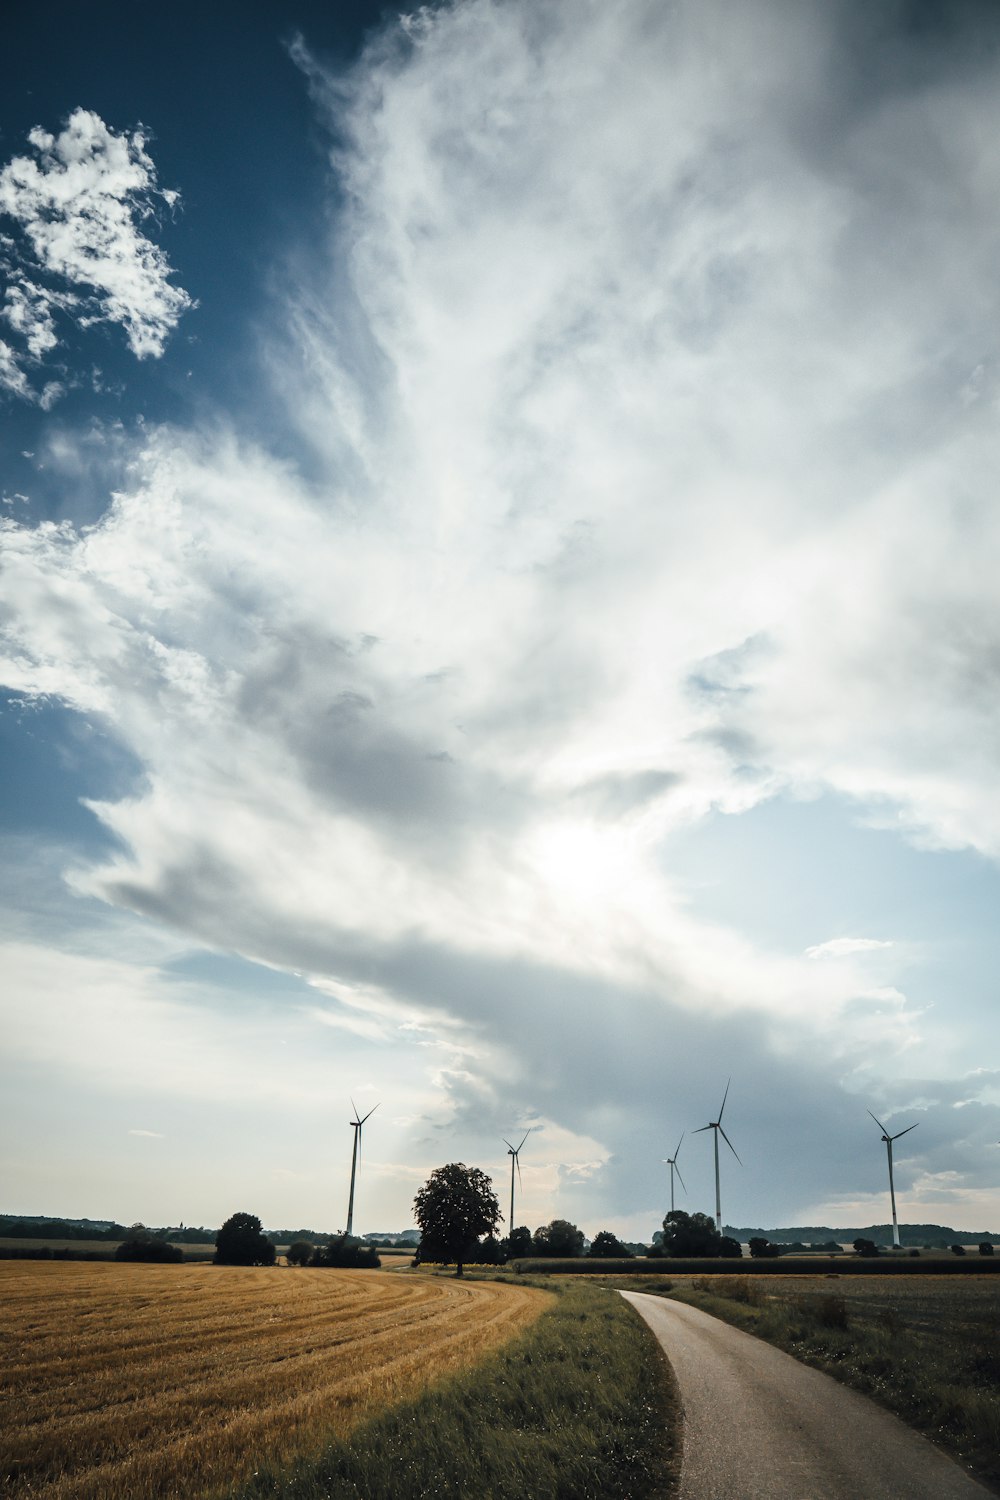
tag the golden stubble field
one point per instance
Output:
(135, 1382)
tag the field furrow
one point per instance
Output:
(142, 1381)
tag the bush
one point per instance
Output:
(986, 1248)
(958, 1249)
(149, 1248)
(761, 1249)
(867, 1248)
(299, 1253)
(349, 1253)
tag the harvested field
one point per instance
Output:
(140, 1381)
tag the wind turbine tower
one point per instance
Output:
(888, 1149)
(671, 1162)
(356, 1125)
(514, 1153)
(715, 1126)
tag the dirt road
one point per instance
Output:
(760, 1426)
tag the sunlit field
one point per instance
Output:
(135, 1382)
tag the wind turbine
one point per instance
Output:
(356, 1125)
(671, 1162)
(888, 1148)
(716, 1127)
(514, 1153)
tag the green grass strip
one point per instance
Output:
(581, 1406)
(937, 1368)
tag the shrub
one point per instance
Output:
(958, 1249)
(986, 1248)
(299, 1253)
(148, 1248)
(343, 1252)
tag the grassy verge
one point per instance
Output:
(579, 1407)
(929, 1351)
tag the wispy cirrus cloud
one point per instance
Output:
(654, 504)
(81, 204)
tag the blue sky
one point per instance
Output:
(498, 606)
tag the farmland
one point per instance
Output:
(926, 1347)
(145, 1381)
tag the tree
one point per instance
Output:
(148, 1247)
(762, 1249)
(345, 1250)
(517, 1243)
(696, 1236)
(607, 1244)
(867, 1248)
(299, 1253)
(455, 1207)
(986, 1247)
(242, 1242)
(558, 1238)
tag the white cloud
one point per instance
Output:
(152, 1135)
(841, 947)
(629, 507)
(82, 204)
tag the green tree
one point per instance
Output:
(607, 1244)
(242, 1242)
(517, 1243)
(299, 1253)
(558, 1238)
(695, 1235)
(455, 1207)
(762, 1249)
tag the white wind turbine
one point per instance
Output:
(888, 1148)
(671, 1162)
(715, 1126)
(356, 1125)
(514, 1153)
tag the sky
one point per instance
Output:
(498, 607)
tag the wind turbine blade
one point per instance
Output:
(678, 1150)
(906, 1131)
(354, 1107)
(724, 1098)
(518, 1165)
(701, 1128)
(730, 1144)
(878, 1122)
(510, 1148)
(369, 1114)
(682, 1182)
(525, 1136)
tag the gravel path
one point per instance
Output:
(758, 1425)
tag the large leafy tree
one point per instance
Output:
(455, 1207)
(607, 1244)
(242, 1242)
(558, 1238)
(696, 1235)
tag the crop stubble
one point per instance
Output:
(140, 1381)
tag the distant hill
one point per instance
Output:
(47, 1227)
(938, 1235)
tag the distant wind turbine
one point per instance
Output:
(888, 1148)
(715, 1126)
(671, 1162)
(514, 1153)
(356, 1125)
